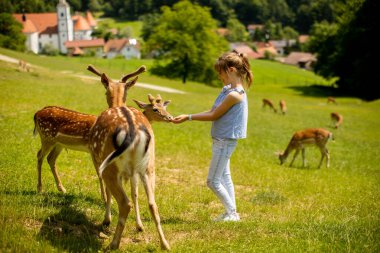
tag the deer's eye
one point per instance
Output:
(155, 109)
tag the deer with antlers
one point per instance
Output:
(122, 146)
(283, 106)
(61, 128)
(336, 119)
(269, 103)
(308, 137)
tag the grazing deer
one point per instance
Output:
(331, 100)
(60, 128)
(312, 136)
(23, 65)
(267, 102)
(283, 106)
(336, 119)
(122, 146)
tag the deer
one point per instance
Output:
(308, 137)
(61, 128)
(336, 119)
(23, 65)
(269, 103)
(122, 147)
(331, 100)
(283, 106)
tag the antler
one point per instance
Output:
(94, 70)
(158, 99)
(151, 99)
(137, 72)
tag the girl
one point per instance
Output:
(229, 116)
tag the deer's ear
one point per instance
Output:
(167, 102)
(105, 80)
(140, 104)
(131, 83)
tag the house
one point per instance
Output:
(301, 59)
(280, 45)
(55, 28)
(252, 28)
(245, 49)
(82, 47)
(264, 48)
(128, 48)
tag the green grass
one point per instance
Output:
(282, 209)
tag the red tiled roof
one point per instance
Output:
(80, 23)
(90, 19)
(244, 49)
(296, 57)
(45, 23)
(303, 38)
(84, 43)
(77, 51)
(29, 27)
(254, 27)
(115, 45)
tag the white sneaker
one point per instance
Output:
(232, 217)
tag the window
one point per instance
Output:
(62, 14)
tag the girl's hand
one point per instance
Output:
(181, 118)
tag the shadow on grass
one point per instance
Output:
(69, 229)
(317, 90)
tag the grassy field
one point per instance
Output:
(283, 209)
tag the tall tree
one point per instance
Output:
(185, 43)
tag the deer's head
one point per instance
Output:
(117, 91)
(156, 109)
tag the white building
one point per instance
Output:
(54, 29)
(128, 48)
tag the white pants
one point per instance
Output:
(219, 176)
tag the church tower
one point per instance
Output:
(65, 25)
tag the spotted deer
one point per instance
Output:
(308, 137)
(122, 147)
(269, 103)
(61, 128)
(283, 106)
(336, 119)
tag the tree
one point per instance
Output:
(11, 33)
(236, 31)
(185, 43)
(347, 50)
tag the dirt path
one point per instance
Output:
(142, 85)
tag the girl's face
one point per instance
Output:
(223, 76)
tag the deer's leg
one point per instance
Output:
(114, 184)
(52, 157)
(45, 148)
(303, 158)
(107, 215)
(146, 180)
(101, 182)
(134, 193)
(294, 157)
(324, 153)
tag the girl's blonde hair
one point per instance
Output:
(238, 61)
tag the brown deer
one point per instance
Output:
(336, 119)
(60, 128)
(122, 146)
(331, 100)
(283, 106)
(312, 136)
(269, 103)
(23, 65)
